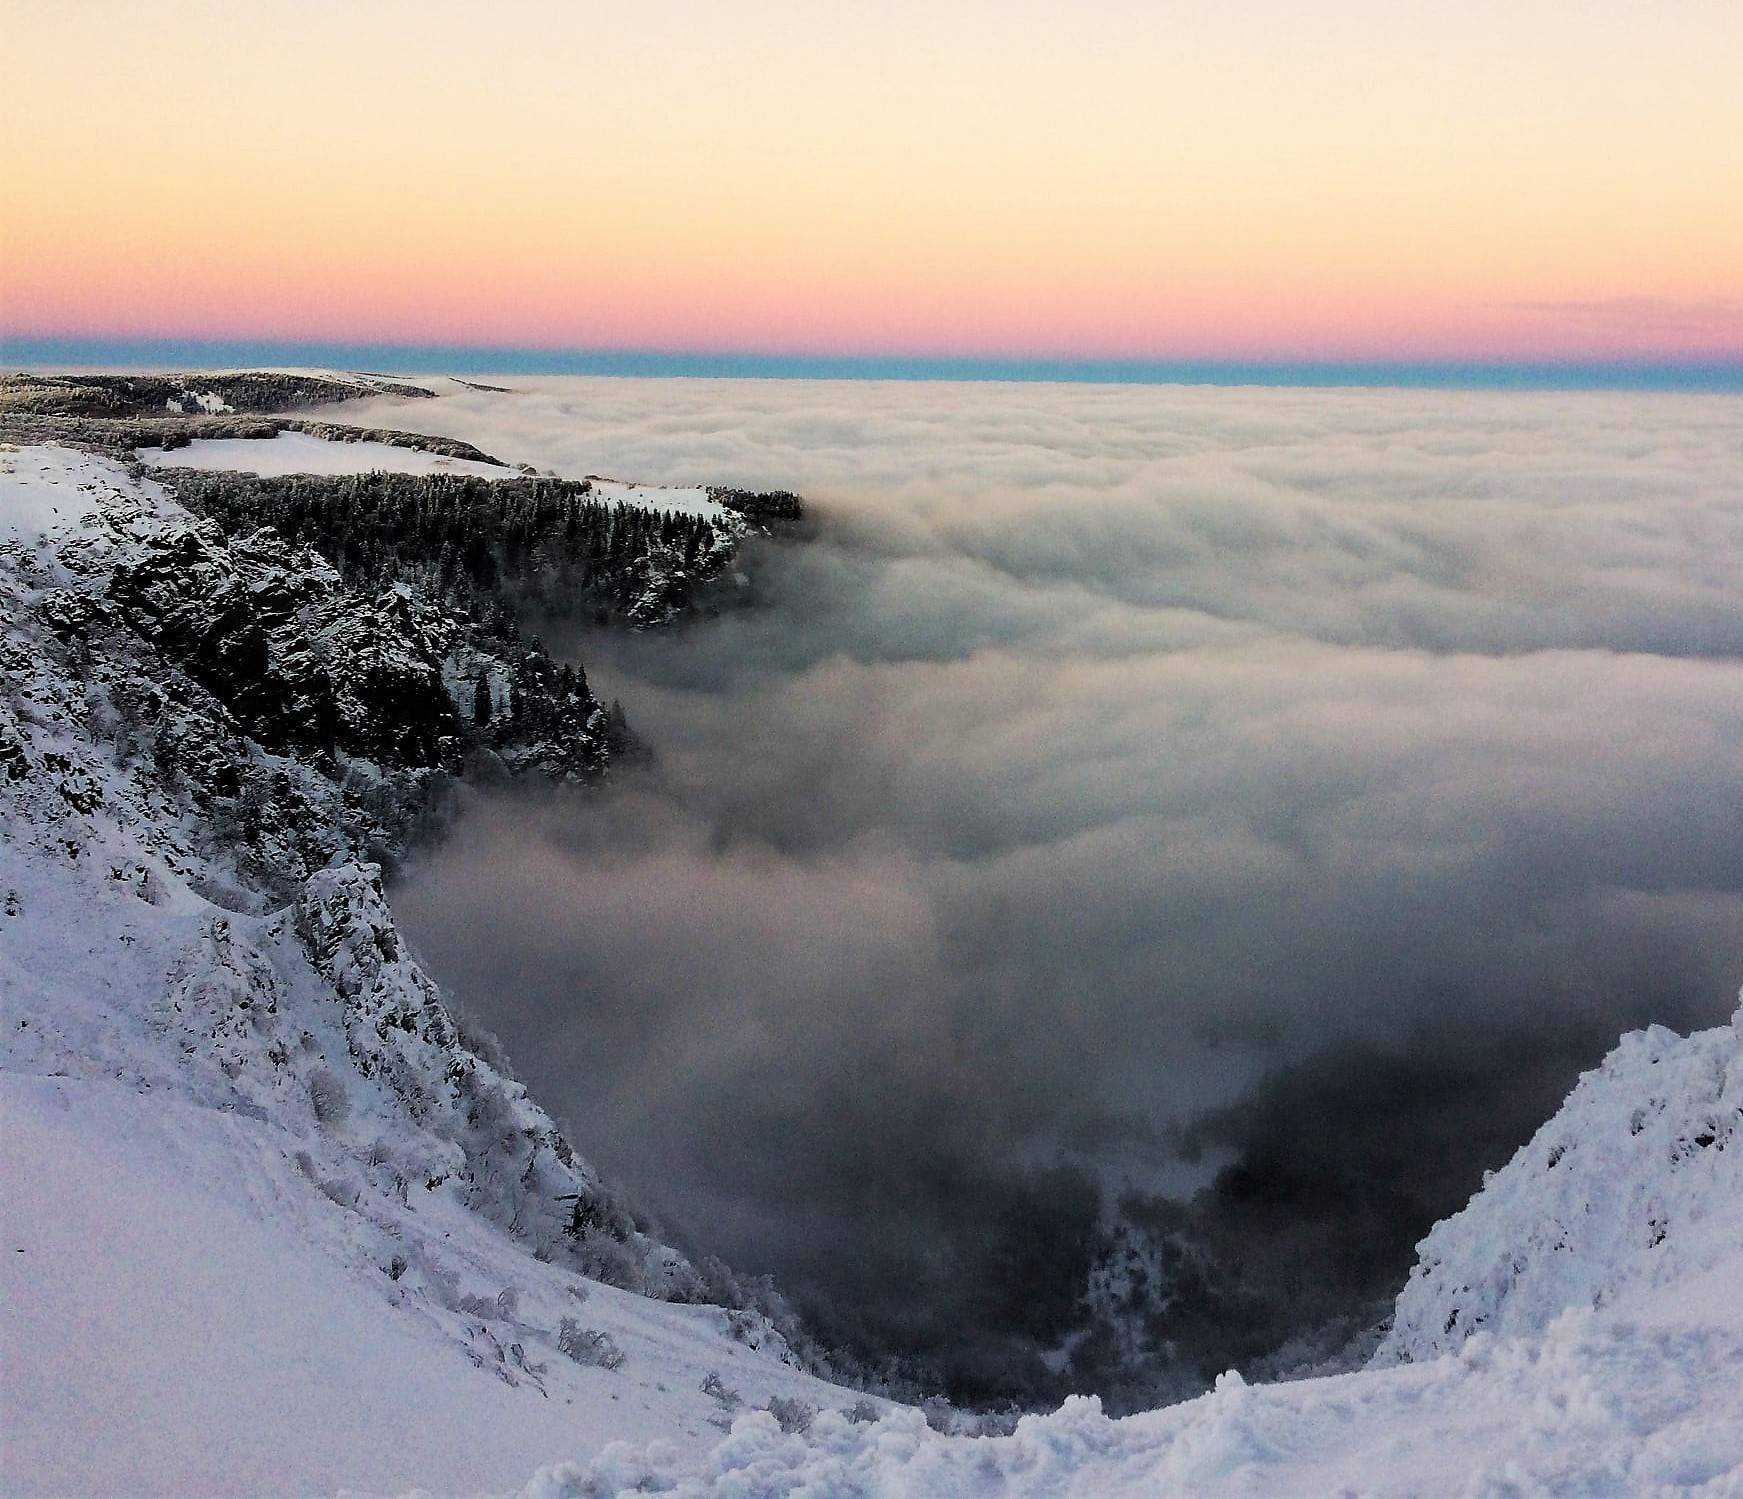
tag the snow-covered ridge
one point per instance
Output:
(111, 719)
(212, 392)
(297, 452)
(1635, 1185)
(292, 452)
(118, 414)
(246, 1144)
(236, 421)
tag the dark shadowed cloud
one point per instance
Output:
(1276, 793)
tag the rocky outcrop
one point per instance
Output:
(1633, 1184)
(163, 760)
(300, 661)
(488, 546)
(507, 1158)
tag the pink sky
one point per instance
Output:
(1104, 179)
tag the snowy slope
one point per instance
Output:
(185, 1310)
(272, 1224)
(1633, 1187)
(303, 453)
(299, 453)
(659, 497)
(45, 489)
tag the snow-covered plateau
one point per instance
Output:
(302, 453)
(299, 453)
(274, 1223)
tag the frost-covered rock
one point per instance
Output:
(1637, 1182)
(296, 657)
(171, 710)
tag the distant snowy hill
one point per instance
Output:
(294, 452)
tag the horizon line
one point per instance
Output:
(1699, 374)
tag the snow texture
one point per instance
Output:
(1634, 1186)
(45, 489)
(299, 453)
(657, 497)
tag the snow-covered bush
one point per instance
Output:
(794, 1415)
(717, 1390)
(588, 1345)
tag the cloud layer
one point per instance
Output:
(1143, 783)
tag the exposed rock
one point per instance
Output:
(220, 729)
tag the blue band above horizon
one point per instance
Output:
(1705, 376)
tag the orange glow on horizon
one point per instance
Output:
(1093, 181)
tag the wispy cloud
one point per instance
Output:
(1705, 321)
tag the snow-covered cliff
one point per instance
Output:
(211, 1032)
(1636, 1184)
(311, 1010)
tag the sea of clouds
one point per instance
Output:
(1278, 795)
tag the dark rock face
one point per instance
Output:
(298, 659)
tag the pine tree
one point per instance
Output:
(481, 704)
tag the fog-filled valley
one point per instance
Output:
(1097, 896)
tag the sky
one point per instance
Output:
(1280, 793)
(1373, 179)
